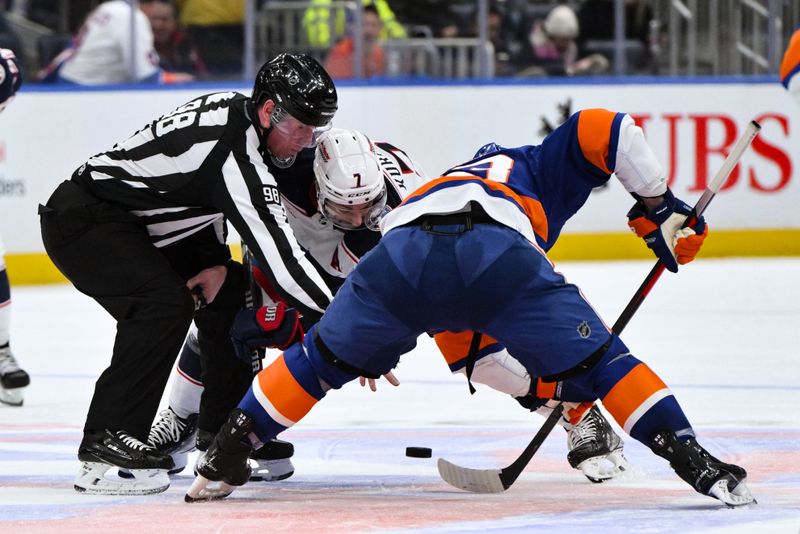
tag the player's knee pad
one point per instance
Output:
(635, 396)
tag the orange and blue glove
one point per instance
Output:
(661, 228)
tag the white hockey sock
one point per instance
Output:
(184, 397)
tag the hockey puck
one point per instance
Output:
(419, 452)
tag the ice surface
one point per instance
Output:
(722, 333)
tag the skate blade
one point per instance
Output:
(91, 480)
(12, 397)
(739, 496)
(178, 458)
(602, 468)
(203, 489)
(271, 470)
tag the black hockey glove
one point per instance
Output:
(275, 326)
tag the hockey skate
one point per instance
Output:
(272, 461)
(226, 461)
(595, 448)
(13, 379)
(101, 450)
(705, 473)
(172, 435)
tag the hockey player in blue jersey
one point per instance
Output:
(322, 201)
(467, 253)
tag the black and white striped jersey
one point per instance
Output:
(198, 166)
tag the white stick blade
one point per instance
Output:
(473, 480)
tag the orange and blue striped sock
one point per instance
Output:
(282, 394)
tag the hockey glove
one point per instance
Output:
(274, 326)
(660, 227)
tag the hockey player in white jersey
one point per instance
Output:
(13, 379)
(334, 202)
(104, 52)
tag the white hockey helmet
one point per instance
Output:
(351, 191)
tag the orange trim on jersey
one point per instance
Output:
(631, 391)
(281, 388)
(532, 207)
(792, 56)
(574, 415)
(454, 346)
(545, 390)
(594, 132)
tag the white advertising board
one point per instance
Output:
(45, 135)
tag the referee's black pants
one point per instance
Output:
(107, 254)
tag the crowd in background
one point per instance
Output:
(204, 39)
(182, 40)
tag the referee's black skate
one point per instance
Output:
(272, 461)
(226, 461)
(705, 473)
(103, 449)
(594, 448)
(13, 379)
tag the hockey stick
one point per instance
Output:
(499, 480)
(253, 301)
(750, 132)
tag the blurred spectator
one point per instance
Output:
(340, 62)
(10, 40)
(317, 22)
(216, 28)
(596, 19)
(435, 14)
(502, 36)
(102, 52)
(553, 50)
(175, 50)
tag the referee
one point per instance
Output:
(141, 229)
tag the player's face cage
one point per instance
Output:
(356, 216)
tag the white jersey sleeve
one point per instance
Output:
(105, 52)
(637, 166)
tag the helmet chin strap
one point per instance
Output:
(280, 162)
